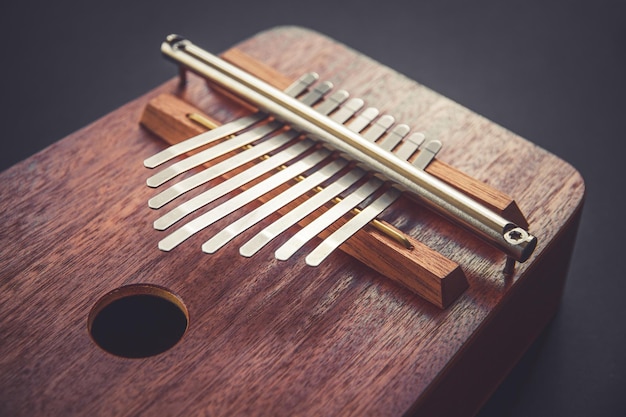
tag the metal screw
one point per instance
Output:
(516, 235)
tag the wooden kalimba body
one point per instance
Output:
(417, 315)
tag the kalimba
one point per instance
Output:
(283, 149)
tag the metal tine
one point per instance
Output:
(301, 84)
(363, 119)
(211, 195)
(311, 230)
(427, 154)
(332, 102)
(311, 204)
(203, 139)
(207, 155)
(410, 145)
(232, 183)
(394, 137)
(221, 168)
(244, 223)
(378, 128)
(247, 196)
(342, 114)
(349, 202)
(227, 129)
(251, 194)
(243, 157)
(348, 229)
(347, 110)
(374, 128)
(236, 228)
(239, 141)
(352, 226)
(346, 204)
(317, 93)
(365, 215)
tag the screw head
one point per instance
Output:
(516, 236)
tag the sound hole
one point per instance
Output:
(138, 321)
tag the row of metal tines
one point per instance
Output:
(286, 155)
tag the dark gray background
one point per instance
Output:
(551, 71)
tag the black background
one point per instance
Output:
(552, 71)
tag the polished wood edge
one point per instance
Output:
(421, 269)
(506, 335)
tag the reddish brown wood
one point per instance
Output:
(167, 117)
(253, 66)
(264, 337)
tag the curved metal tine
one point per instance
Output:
(227, 129)
(202, 139)
(347, 110)
(369, 213)
(285, 222)
(373, 133)
(217, 213)
(326, 219)
(271, 206)
(317, 93)
(363, 119)
(379, 127)
(332, 102)
(301, 84)
(343, 183)
(327, 106)
(410, 146)
(372, 210)
(394, 137)
(427, 154)
(232, 183)
(352, 226)
(225, 147)
(214, 152)
(221, 168)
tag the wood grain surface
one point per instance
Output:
(265, 337)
